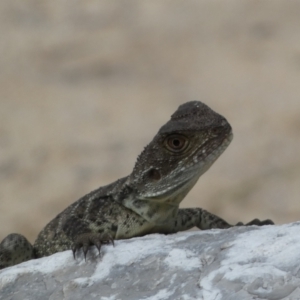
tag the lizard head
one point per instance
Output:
(182, 150)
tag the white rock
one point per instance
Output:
(238, 263)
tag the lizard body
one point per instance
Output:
(146, 201)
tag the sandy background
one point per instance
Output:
(85, 85)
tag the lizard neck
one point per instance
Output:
(152, 210)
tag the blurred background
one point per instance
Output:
(85, 85)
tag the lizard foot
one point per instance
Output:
(256, 222)
(86, 240)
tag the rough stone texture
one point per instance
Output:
(84, 86)
(234, 264)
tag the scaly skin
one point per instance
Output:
(146, 201)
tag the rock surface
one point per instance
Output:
(85, 85)
(239, 263)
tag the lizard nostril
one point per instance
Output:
(154, 174)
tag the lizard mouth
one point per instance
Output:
(169, 191)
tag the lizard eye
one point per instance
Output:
(176, 143)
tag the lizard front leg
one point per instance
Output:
(196, 217)
(85, 240)
(73, 234)
(87, 234)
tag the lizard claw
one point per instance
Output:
(256, 222)
(86, 240)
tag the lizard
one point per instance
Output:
(144, 202)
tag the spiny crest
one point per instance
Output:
(141, 157)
